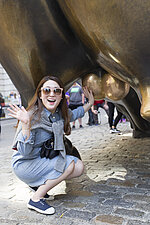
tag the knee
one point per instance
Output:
(80, 167)
(70, 168)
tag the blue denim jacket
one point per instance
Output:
(30, 149)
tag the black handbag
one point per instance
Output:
(47, 149)
(71, 149)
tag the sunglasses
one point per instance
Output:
(47, 90)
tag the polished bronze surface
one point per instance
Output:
(145, 107)
(94, 83)
(36, 40)
(117, 34)
(73, 38)
(114, 88)
(106, 86)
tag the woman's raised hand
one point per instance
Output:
(19, 113)
(88, 94)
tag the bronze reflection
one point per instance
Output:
(107, 86)
(145, 107)
(93, 82)
(115, 89)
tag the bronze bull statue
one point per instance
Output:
(103, 42)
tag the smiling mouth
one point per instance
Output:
(51, 100)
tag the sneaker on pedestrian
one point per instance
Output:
(96, 124)
(111, 130)
(81, 126)
(41, 207)
(73, 126)
(114, 130)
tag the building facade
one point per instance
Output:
(6, 85)
(7, 89)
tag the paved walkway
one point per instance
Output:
(114, 189)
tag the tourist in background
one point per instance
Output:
(99, 104)
(113, 122)
(76, 99)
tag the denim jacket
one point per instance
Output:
(30, 149)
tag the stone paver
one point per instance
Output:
(114, 189)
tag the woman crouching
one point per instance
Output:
(41, 160)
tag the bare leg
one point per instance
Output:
(49, 184)
(78, 170)
(80, 121)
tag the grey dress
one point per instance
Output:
(26, 161)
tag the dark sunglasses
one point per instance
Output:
(47, 90)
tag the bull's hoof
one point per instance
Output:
(140, 134)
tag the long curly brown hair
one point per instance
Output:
(37, 103)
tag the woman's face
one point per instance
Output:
(51, 95)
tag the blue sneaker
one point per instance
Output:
(41, 207)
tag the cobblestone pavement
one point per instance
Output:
(114, 189)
